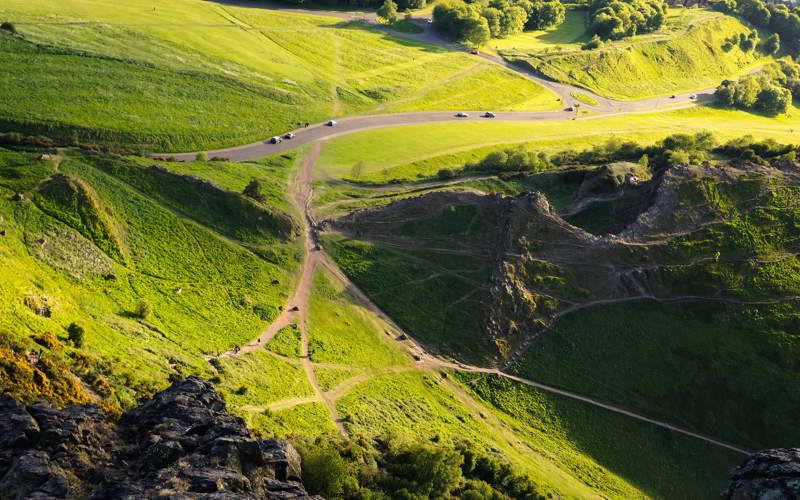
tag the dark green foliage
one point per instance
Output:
(773, 44)
(75, 334)
(476, 22)
(254, 191)
(594, 43)
(7, 26)
(615, 19)
(445, 174)
(755, 92)
(382, 467)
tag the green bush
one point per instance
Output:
(75, 333)
(143, 309)
(201, 156)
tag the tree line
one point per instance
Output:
(775, 17)
(474, 23)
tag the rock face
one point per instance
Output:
(181, 444)
(767, 474)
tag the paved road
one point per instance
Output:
(319, 131)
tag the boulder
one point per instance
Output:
(181, 444)
(767, 474)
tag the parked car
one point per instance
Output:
(488, 114)
(331, 123)
(474, 52)
(461, 114)
(276, 140)
(288, 135)
(430, 20)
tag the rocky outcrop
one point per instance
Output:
(181, 444)
(767, 474)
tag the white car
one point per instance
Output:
(430, 20)
(461, 114)
(488, 114)
(693, 97)
(331, 123)
(276, 140)
(288, 135)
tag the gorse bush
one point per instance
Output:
(75, 333)
(143, 309)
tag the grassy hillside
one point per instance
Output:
(206, 291)
(195, 75)
(686, 54)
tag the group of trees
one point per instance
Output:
(475, 22)
(360, 467)
(770, 92)
(615, 19)
(775, 17)
(676, 148)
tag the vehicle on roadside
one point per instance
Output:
(430, 20)
(461, 114)
(474, 52)
(569, 109)
(331, 123)
(672, 96)
(288, 135)
(693, 97)
(488, 114)
(276, 140)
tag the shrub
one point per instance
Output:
(388, 11)
(144, 309)
(47, 340)
(201, 156)
(325, 472)
(445, 173)
(592, 44)
(241, 391)
(7, 26)
(773, 44)
(254, 191)
(75, 333)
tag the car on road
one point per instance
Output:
(461, 114)
(693, 97)
(474, 52)
(276, 140)
(673, 96)
(288, 135)
(488, 114)
(331, 123)
(430, 20)
(569, 109)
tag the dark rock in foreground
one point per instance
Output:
(767, 474)
(181, 444)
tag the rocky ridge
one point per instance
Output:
(181, 444)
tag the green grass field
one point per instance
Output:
(343, 332)
(421, 150)
(196, 75)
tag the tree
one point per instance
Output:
(773, 44)
(254, 191)
(325, 472)
(545, 15)
(388, 11)
(75, 333)
(774, 99)
(475, 31)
